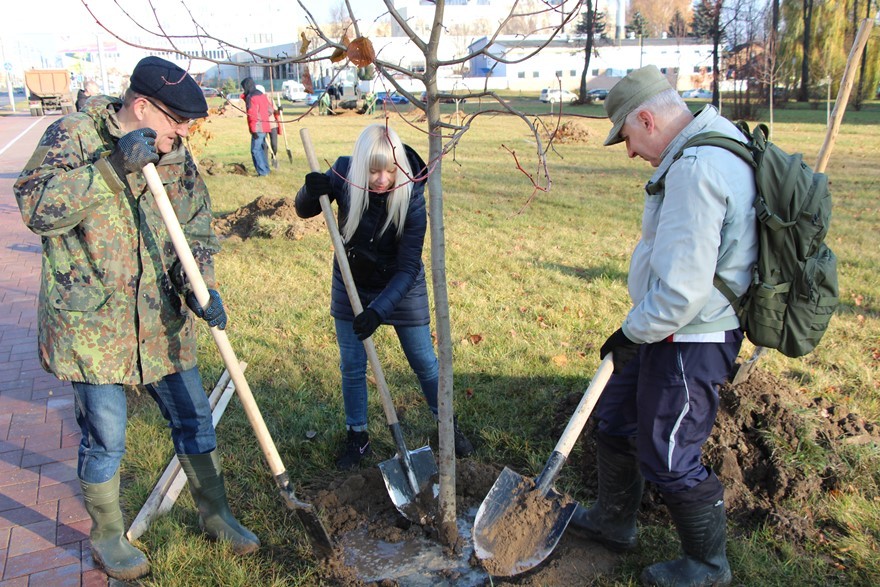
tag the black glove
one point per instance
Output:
(317, 184)
(366, 323)
(214, 315)
(133, 151)
(622, 348)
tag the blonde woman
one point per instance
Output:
(380, 196)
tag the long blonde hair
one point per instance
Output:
(377, 147)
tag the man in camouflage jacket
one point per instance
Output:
(111, 307)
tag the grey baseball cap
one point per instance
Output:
(630, 93)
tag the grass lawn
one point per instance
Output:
(534, 291)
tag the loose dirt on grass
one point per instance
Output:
(570, 132)
(267, 217)
(754, 417)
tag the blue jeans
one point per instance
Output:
(419, 350)
(258, 153)
(101, 415)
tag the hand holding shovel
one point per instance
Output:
(519, 522)
(408, 476)
(317, 534)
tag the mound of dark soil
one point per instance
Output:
(269, 218)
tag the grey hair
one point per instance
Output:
(661, 104)
(377, 147)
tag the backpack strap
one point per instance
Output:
(707, 139)
(738, 148)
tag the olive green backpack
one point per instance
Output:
(794, 287)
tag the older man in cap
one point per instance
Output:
(681, 337)
(113, 300)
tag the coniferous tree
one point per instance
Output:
(707, 25)
(678, 27)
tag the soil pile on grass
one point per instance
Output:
(570, 132)
(211, 167)
(267, 217)
(755, 419)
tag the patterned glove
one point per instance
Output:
(366, 323)
(622, 349)
(214, 314)
(317, 185)
(133, 151)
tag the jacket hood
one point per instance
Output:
(416, 164)
(249, 87)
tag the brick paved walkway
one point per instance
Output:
(43, 523)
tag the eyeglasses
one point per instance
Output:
(171, 117)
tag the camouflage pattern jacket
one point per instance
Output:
(111, 308)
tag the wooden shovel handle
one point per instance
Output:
(200, 290)
(348, 280)
(585, 407)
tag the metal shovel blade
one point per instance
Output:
(320, 540)
(417, 504)
(516, 528)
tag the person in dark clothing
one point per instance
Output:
(259, 115)
(379, 192)
(90, 89)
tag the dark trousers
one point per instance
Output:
(667, 399)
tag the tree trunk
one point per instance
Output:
(804, 93)
(447, 526)
(588, 51)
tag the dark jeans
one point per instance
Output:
(667, 398)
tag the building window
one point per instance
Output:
(536, 74)
(573, 72)
(521, 74)
(595, 73)
(558, 73)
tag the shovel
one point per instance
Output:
(320, 540)
(520, 522)
(409, 476)
(271, 152)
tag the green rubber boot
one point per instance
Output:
(110, 548)
(209, 492)
(611, 521)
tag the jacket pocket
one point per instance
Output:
(80, 298)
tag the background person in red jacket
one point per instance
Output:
(259, 115)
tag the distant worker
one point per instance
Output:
(87, 91)
(259, 114)
(324, 107)
(370, 103)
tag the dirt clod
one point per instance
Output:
(267, 217)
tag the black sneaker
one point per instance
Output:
(357, 446)
(463, 446)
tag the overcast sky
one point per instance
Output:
(57, 24)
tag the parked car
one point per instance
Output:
(210, 92)
(597, 94)
(697, 93)
(548, 95)
(233, 97)
(294, 91)
(392, 97)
